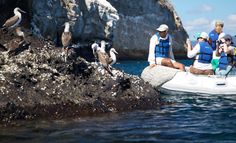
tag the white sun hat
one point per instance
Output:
(204, 35)
(162, 27)
(221, 36)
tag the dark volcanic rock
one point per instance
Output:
(37, 83)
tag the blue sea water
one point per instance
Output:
(199, 119)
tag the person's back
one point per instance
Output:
(202, 52)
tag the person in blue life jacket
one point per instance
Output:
(202, 52)
(160, 50)
(214, 34)
(226, 51)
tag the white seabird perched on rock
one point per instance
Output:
(95, 47)
(112, 58)
(15, 20)
(103, 46)
(66, 38)
(105, 60)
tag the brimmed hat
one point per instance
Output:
(228, 37)
(197, 35)
(222, 35)
(204, 35)
(162, 27)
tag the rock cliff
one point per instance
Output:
(138, 21)
(129, 24)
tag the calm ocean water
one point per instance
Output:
(210, 119)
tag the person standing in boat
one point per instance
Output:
(202, 52)
(214, 34)
(226, 51)
(160, 50)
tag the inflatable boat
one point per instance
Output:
(171, 81)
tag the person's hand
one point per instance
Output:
(188, 42)
(152, 65)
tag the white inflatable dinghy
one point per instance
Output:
(187, 83)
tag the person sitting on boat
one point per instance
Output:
(203, 52)
(160, 49)
(226, 51)
(215, 58)
(214, 34)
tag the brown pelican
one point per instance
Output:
(13, 21)
(105, 60)
(66, 39)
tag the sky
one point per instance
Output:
(199, 15)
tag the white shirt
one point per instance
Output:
(194, 52)
(153, 42)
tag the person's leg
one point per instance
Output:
(167, 62)
(208, 72)
(195, 71)
(217, 71)
(228, 69)
(179, 66)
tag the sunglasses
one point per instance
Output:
(162, 31)
(228, 40)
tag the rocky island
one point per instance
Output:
(35, 81)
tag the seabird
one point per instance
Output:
(20, 33)
(103, 46)
(105, 60)
(17, 44)
(66, 39)
(13, 21)
(112, 59)
(95, 47)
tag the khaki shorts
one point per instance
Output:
(158, 61)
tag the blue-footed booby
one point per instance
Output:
(105, 60)
(13, 21)
(95, 47)
(17, 44)
(66, 38)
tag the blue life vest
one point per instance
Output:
(205, 55)
(223, 61)
(163, 48)
(213, 35)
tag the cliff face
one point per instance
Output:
(138, 21)
(89, 19)
(129, 24)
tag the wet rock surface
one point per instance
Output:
(36, 83)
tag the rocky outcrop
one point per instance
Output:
(129, 24)
(37, 83)
(138, 21)
(89, 19)
(158, 75)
